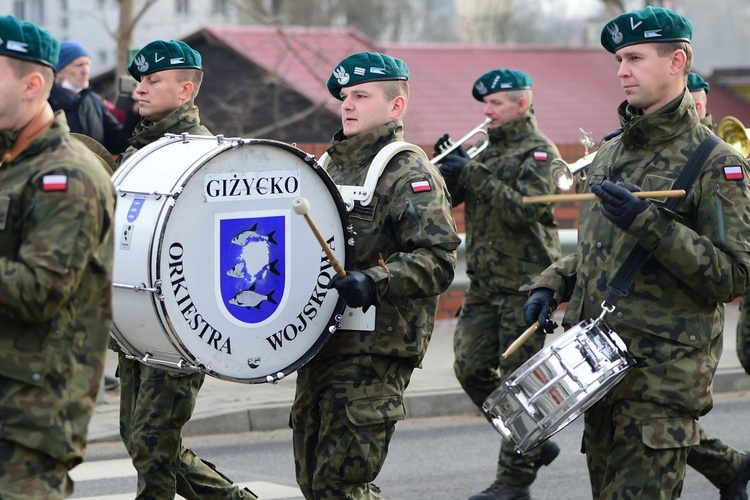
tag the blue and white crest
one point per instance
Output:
(253, 266)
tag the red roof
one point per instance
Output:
(574, 88)
(301, 57)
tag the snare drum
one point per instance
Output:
(214, 271)
(558, 384)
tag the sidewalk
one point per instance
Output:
(227, 407)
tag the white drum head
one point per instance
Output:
(240, 272)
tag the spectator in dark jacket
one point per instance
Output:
(84, 109)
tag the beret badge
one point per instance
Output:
(342, 77)
(616, 33)
(140, 63)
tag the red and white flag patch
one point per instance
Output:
(54, 182)
(540, 156)
(733, 173)
(421, 186)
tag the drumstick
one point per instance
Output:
(520, 340)
(554, 198)
(302, 207)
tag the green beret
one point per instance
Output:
(648, 25)
(499, 80)
(364, 67)
(27, 41)
(696, 83)
(160, 55)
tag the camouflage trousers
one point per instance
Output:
(35, 432)
(714, 459)
(637, 450)
(343, 417)
(743, 334)
(27, 473)
(155, 405)
(485, 330)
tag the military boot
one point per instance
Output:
(736, 489)
(504, 491)
(550, 450)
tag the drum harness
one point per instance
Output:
(625, 275)
(355, 318)
(529, 412)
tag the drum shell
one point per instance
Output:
(558, 384)
(184, 231)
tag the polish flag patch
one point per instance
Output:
(421, 186)
(54, 183)
(733, 173)
(540, 156)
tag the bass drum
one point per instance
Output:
(214, 271)
(557, 384)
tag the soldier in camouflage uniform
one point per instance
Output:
(699, 89)
(56, 251)
(350, 395)
(743, 325)
(638, 436)
(743, 333)
(505, 240)
(155, 404)
(726, 467)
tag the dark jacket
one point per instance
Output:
(86, 114)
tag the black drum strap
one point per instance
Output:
(620, 284)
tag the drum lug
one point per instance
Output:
(156, 290)
(181, 365)
(271, 379)
(155, 194)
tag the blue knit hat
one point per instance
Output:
(69, 52)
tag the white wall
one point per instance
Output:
(90, 22)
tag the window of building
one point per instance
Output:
(182, 6)
(219, 7)
(29, 10)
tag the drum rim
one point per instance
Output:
(157, 244)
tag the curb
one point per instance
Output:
(439, 404)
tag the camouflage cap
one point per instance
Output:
(27, 41)
(648, 25)
(499, 80)
(364, 67)
(696, 82)
(160, 55)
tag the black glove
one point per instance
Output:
(539, 307)
(357, 289)
(619, 204)
(444, 143)
(452, 165)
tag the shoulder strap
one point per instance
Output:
(620, 284)
(364, 193)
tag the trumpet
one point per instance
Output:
(734, 133)
(563, 173)
(474, 150)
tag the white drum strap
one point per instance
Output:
(364, 193)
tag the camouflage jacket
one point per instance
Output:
(699, 256)
(184, 119)
(708, 121)
(414, 231)
(505, 238)
(56, 255)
